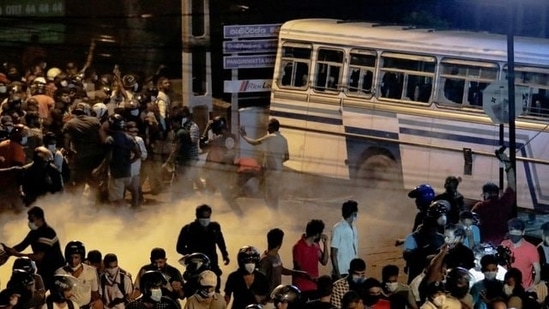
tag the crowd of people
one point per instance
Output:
(73, 130)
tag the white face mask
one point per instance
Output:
(442, 220)
(184, 120)
(24, 140)
(490, 275)
(112, 271)
(52, 148)
(32, 226)
(204, 221)
(508, 290)
(249, 267)
(134, 112)
(439, 301)
(156, 294)
(3, 89)
(391, 286)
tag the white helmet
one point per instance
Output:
(99, 109)
(52, 73)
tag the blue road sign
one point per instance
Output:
(251, 31)
(248, 62)
(250, 46)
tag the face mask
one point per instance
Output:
(32, 226)
(9, 128)
(508, 290)
(391, 286)
(449, 240)
(24, 140)
(134, 112)
(112, 271)
(249, 267)
(204, 294)
(156, 294)
(442, 220)
(204, 221)
(439, 301)
(184, 120)
(3, 89)
(358, 279)
(52, 148)
(467, 222)
(490, 275)
(515, 238)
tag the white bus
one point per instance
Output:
(368, 102)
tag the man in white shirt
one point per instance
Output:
(344, 242)
(275, 154)
(85, 293)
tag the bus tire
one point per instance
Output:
(378, 171)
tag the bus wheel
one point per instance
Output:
(378, 171)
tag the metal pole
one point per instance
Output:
(511, 85)
(501, 167)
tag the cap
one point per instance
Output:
(207, 278)
(516, 224)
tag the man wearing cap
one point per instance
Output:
(206, 297)
(495, 210)
(524, 255)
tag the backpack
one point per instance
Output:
(49, 304)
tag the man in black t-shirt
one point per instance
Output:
(46, 251)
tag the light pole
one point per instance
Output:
(511, 86)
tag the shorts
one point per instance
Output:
(117, 188)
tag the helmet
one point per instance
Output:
(62, 283)
(17, 133)
(219, 123)
(52, 73)
(81, 109)
(247, 254)
(141, 98)
(20, 279)
(285, 293)
(151, 279)
(438, 208)
(131, 104)
(424, 195)
(99, 110)
(117, 122)
(75, 247)
(129, 81)
(490, 187)
(195, 263)
(14, 100)
(24, 263)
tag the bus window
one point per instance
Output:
(407, 77)
(295, 65)
(462, 82)
(536, 102)
(328, 70)
(361, 72)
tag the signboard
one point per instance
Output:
(248, 62)
(495, 101)
(48, 33)
(251, 31)
(249, 85)
(250, 46)
(35, 8)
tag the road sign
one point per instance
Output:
(33, 8)
(248, 62)
(251, 31)
(250, 46)
(249, 85)
(495, 101)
